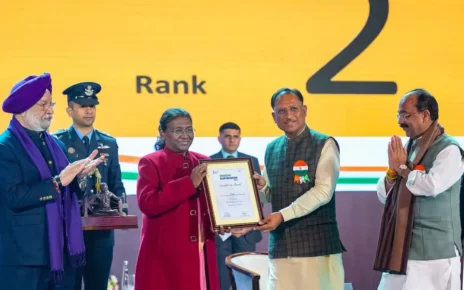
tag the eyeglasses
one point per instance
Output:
(405, 116)
(179, 132)
(46, 107)
(283, 112)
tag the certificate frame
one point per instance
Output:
(253, 198)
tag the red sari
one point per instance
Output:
(169, 256)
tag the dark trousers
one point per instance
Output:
(97, 269)
(230, 246)
(34, 278)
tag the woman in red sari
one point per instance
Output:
(178, 249)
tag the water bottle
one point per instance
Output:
(132, 282)
(125, 276)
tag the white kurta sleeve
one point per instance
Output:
(327, 172)
(447, 168)
(381, 190)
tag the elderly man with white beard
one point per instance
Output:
(41, 238)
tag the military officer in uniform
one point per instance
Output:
(80, 139)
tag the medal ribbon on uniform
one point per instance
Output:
(300, 168)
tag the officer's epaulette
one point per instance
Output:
(104, 133)
(60, 132)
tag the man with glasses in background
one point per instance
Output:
(80, 139)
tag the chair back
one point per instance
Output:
(248, 271)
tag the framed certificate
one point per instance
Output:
(232, 196)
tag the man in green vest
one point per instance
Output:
(301, 172)
(420, 236)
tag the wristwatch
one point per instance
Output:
(58, 181)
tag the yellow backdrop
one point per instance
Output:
(244, 51)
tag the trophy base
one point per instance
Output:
(112, 212)
(99, 222)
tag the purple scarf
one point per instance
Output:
(57, 211)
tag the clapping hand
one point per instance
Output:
(90, 164)
(79, 167)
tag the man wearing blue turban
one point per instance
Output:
(41, 238)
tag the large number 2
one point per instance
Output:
(321, 82)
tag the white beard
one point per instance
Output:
(36, 124)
